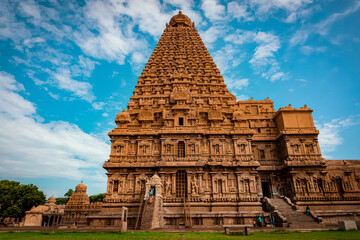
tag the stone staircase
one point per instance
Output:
(141, 210)
(147, 217)
(295, 219)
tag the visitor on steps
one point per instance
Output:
(259, 221)
(307, 210)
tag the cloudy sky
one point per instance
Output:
(67, 68)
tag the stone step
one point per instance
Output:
(295, 218)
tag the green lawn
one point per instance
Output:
(326, 235)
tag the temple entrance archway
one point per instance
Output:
(339, 187)
(266, 189)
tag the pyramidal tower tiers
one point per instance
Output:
(187, 153)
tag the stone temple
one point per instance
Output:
(187, 153)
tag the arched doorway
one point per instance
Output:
(339, 187)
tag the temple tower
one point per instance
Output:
(214, 158)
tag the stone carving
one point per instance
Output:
(194, 186)
(168, 186)
(123, 117)
(146, 115)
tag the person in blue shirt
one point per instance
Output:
(152, 192)
(259, 221)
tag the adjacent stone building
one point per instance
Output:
(49, 214)
(78, 208)
(186, 152)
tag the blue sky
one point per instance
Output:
(67, 68)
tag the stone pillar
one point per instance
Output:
(259, 187)
(163, 146)
(189, 179)
(112, 147)
(173, 176)
(212, 187)
(249, 147)
(226, 181)
(133, 147)
(238, 184)
(223, 146)
(317, 147)
(210, 147)
(201, 187)
(235, 146)
(138, 141)
(124, 216)
(302, 141)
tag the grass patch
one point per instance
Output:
(277, 234)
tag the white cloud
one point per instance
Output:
(80, 89)
(288, 11)
(299, 37)
(277, 76)
(30, 42)
(109, 45)
(239, 11)
(113, 38)
(293, 8)
(109, 33)
(10, 27)
(32, 148)
(323, 27)
(263, 61)
(98, 105)
(212, 34)
(236, 84)
(330, 133)
(228, 57)
(213, 10)
(268, 44)
(30, 9)
(138, 57)
(85, 67)
(241, 97)
(307, 50)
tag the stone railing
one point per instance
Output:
(327, 198)
(280, 220)
(187, 158)
(218, 157)
(288, 201)
(176, 158)
(316, 217)
(299, 157)
(243, 157)
(265, 162)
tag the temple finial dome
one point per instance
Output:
(180, 19)
(51, 200)
(81, 187)
(123, 117)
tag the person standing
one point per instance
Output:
(259, 221)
